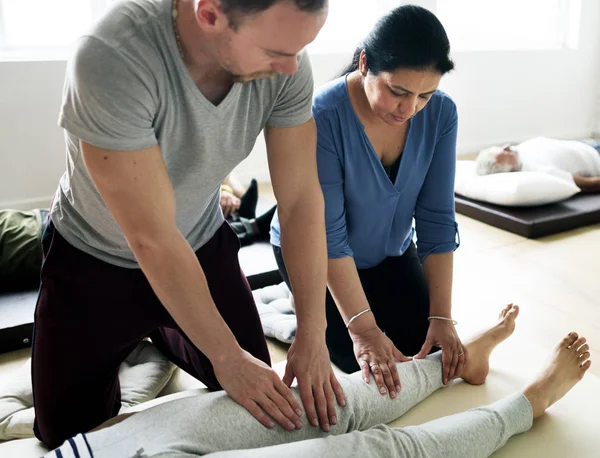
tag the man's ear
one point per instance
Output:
(210, 15)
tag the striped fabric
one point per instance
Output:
(77, 447)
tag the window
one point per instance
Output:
(349, 22)
(491, 25)
(45, 27)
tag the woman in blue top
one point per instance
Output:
(386, 155)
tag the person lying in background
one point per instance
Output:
(21, 248)
(236, 200)
(239, 208)
(574, 161)
(21, 237)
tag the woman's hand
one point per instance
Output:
(229, 203)
(443, 334)
(376, 353)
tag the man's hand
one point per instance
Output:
(454, 356)
(229, 203)
(376, 353)
(259, 390)
(308, 362)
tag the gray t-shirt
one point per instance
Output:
(126, 89)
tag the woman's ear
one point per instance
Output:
(362, 63)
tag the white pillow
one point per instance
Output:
(516, 189)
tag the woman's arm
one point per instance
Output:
(436, 240)
(374, 351)
(346, 289)
(438, 270)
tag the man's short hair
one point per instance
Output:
(236, 9)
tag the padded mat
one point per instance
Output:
(16, 320)
(534, 222)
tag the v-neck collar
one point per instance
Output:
(374, 157)
(190, 84)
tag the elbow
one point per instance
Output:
(150, 245)
(309, 206)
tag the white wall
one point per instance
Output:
(32, 156)
(502, 96)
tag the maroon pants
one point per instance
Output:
(90, 315)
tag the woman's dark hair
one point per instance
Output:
(407, 37)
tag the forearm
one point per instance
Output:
(347, 291)
(438, 270)
(177, 278)
(232, 181)
(587, 184)
(305, 252)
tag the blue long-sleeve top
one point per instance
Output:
(367, 216)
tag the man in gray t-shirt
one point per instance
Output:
(162, 99)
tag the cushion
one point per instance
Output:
(142, 375)
(277, 316)
(516, 189)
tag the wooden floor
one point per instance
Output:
(555, 280)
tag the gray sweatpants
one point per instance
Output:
(215, 424)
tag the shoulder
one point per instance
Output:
(130, 19)
(442, 105)
(330, 96)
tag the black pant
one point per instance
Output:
(399, 298)
(90, 315)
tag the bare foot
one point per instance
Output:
(567, 365)
(480, 347)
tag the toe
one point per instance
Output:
(584, 357)
(583, 348)
(585, 366)
(578, 343)
(570, 339)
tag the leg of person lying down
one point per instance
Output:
(476, 434)
(214, 422)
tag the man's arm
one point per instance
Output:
(587, 184)
(292, 162)
(137, 190)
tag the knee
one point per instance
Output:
(58, 419)
(51, 436)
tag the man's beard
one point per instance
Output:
(252, 77)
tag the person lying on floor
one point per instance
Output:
(21, 234)
(21, 248)
(237, 201)
(577, 162)
(239, 208)
(214, 424)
